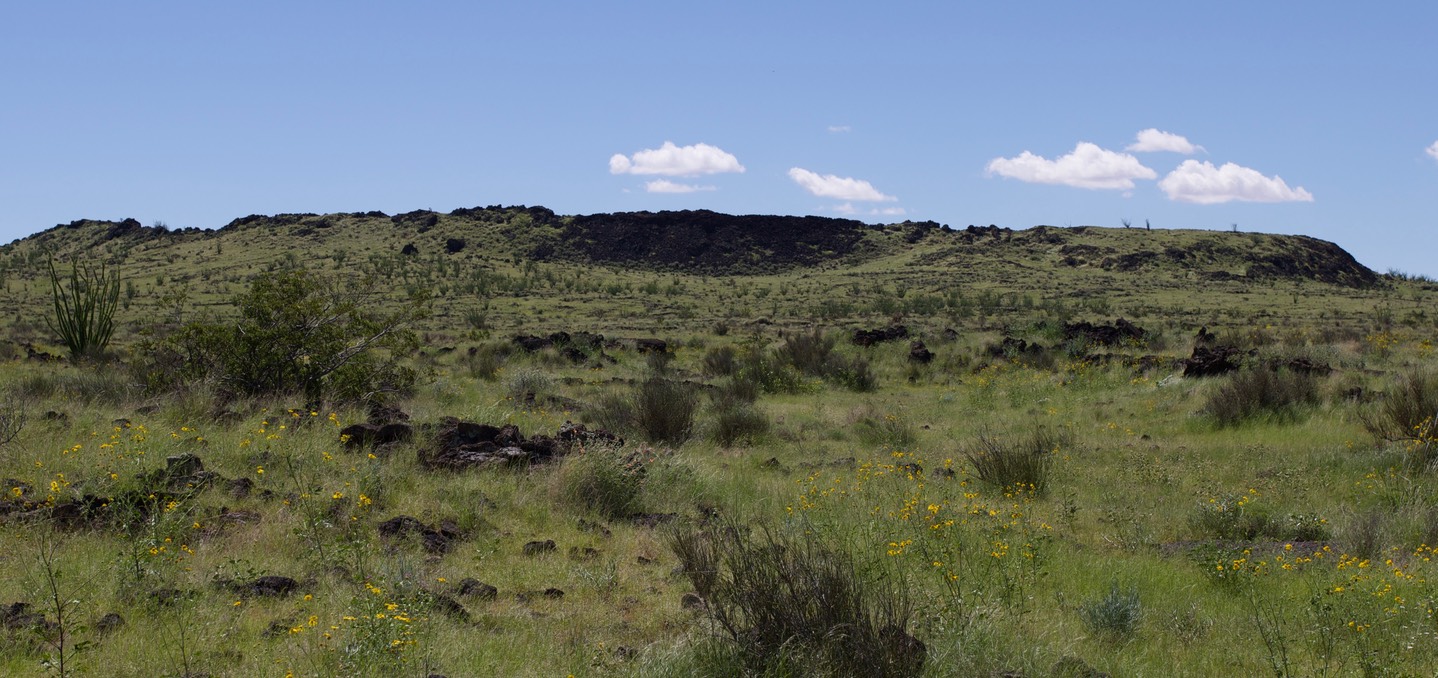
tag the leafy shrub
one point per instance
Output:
(1407, 408)
(1114, 615)
(295, 333)
(854, 374)
(1024, 463)
(603, 479)
(1241, 518)
(1257, 392)
(782, 598)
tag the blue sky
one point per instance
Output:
(1285, 117)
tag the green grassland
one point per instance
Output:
(1163, 540)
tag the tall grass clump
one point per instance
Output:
(788, 603)
(659, 410)
(602, 479)
(1115, 615)
(1261, 392)
(527, 384)
(85, 308)
(1025, 462)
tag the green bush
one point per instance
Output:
(885, 429)
(1261, 392)
(721, 361)
(603, 479)
(786, 601)
(1114, 615)
(1024, 463)
(738, 422)
(659, 410)
(483, 361)
(295, 333)
(808, 353)
(1408, 413)
(664, 410)
(527, 384)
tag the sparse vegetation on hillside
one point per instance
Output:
(977, 452)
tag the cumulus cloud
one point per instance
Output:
(1433, 150)
(1152, 140)
(667, 186)
(1088, 166)
(676, 161)
(1203, 184)
(836, 129)
(839, 188)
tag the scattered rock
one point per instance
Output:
(474, 588)
(652, 519)
(919, 353)
(108, 623)
(409, 250)
(435, 539)
(454, 245)
(268, 586)
(1121, 332)
(583, 555)
(594, 528)
(692, 601)
(536, 548)
(868, 338)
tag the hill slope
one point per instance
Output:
(528, 267)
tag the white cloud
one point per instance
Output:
(836, 129)
(1204, 184)
(667, 186)
(676, 161)
(1152, 140)
(849, 209)
(1433, 150)
(1088, 166)
(839, 188)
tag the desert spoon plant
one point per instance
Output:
(85, 309)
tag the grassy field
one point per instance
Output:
(1070, 510)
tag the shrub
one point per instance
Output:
(295, 333)
(783, 598)
(85, 309)
(1115, 615)
(887, 429)
(720, 361)
(1408, 407)
(736, 422)
(605, 480)
(483, 362)
(808, 353)
(527, 384)
(659, 410)
(664, 410)
(1025, 463)
(13, 417)
(854, 374)
(1259, 392)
